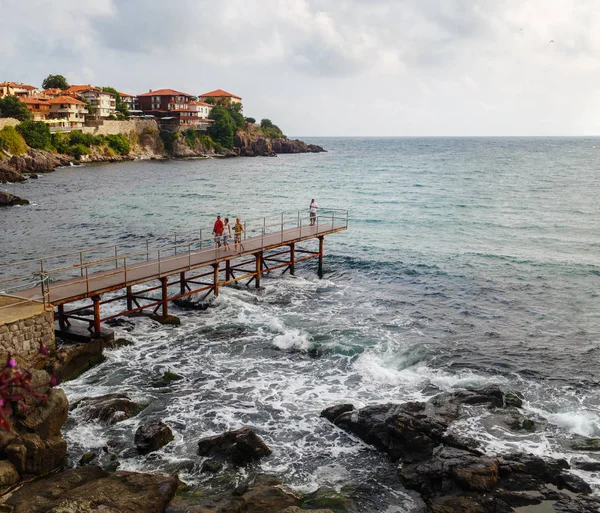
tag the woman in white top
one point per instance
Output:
(313, 211)
(226, 233)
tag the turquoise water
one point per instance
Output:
(467, 262)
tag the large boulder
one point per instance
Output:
(32, 455)
(110, 408)
(151, 436)
(241, 446)
(10, 200)
(46, 418)
(9, 174)
(89, 488)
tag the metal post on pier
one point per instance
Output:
(182, 283)
(96, 301)
(61, 317)
(164, 285)
(292, 258)
(227, 270)
(129, 298)
(259, 257)
(320, 271)
(216, 278)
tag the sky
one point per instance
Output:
(332, 67)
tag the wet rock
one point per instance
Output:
(46, 418)
(120, 342)
(333, 412)
(110, 408)
(32, 176)
(513, 398)
(87, 458)
(151, 436)
(241, 446)
(170, 320)
(519, 423)
(588, 466)
(296, 509)
(10, 200)
(211, 467)
(31, 455)
(8, 474)
(72, 360)
(166, 379)
(580, 505)
(91, 489)
(586, 444)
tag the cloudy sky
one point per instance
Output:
(332, 67)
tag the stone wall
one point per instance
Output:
(23, 337)
(113, 127)
(8, 122)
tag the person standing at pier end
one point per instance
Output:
(313, 211)
(218, 230)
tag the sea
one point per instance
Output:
(467, 262)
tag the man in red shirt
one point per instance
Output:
(218, 230)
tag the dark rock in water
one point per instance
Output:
(333, 412)
(87, 458)
(448, 469)
(9, 200)
(188, 304)
(90, 488)
(519, 422)
(170, 320)
(152, 436)
(110, 408)
(588, 466)
(119, 342)
(241, 446)
(33, 176)
(166, 379)
(581, 505)
(586, 444)
(72, 360)
(513, 399)
(211, 467)
(120, 322)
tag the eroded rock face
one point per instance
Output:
(38, 161)
(90, 488)
(110, 408)
(151, 436)
(241, 446)
(9, 174)
(448, 469)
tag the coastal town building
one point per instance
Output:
(130, 101)
(103, 104)
(52, 93)
(69, 110)
(203, 109)
(38, 106)
(220, 96)
(173, 109)
(17, 89)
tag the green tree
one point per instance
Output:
(52, 81)
(222, 129)
(12, 107)
(235, 111)
(266, 123)
(36, 134)
(250, 120)
(269, 129)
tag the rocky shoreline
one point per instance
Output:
(450, 471)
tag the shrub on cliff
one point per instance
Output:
(250, 120)
(271, 130)
(78, 150)
(119, 143)
(12, 107)
(36, 134)
(78, 137)
(11, 141)
(168, 138)
(223, 127)
(192, 137)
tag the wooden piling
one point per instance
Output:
(321, 240)
(164, 285)
(96, 300)
(258, 257)
(182, 283)
(216, 278)
(129, 294)
(292, 257)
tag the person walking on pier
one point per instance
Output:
(238, 229)
(226, 234)
(218, 230)
(313, 211)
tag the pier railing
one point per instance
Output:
(78, 266)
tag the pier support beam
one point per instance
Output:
(320, 271)
(259, 259)
(292, 258)
(216, 278)
(129, 298)
(164, 285)
(227, 270)
(182, 283)
(61, 317)
(96, 300)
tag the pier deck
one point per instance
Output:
(82, 275)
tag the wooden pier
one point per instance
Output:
(190, 265)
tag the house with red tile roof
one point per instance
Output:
(220, 96)
(130, 101)
(17, 89)
(68, 109)
(171, 107)
(39, 106)
(103, 103)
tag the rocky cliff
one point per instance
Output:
(252, 143)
